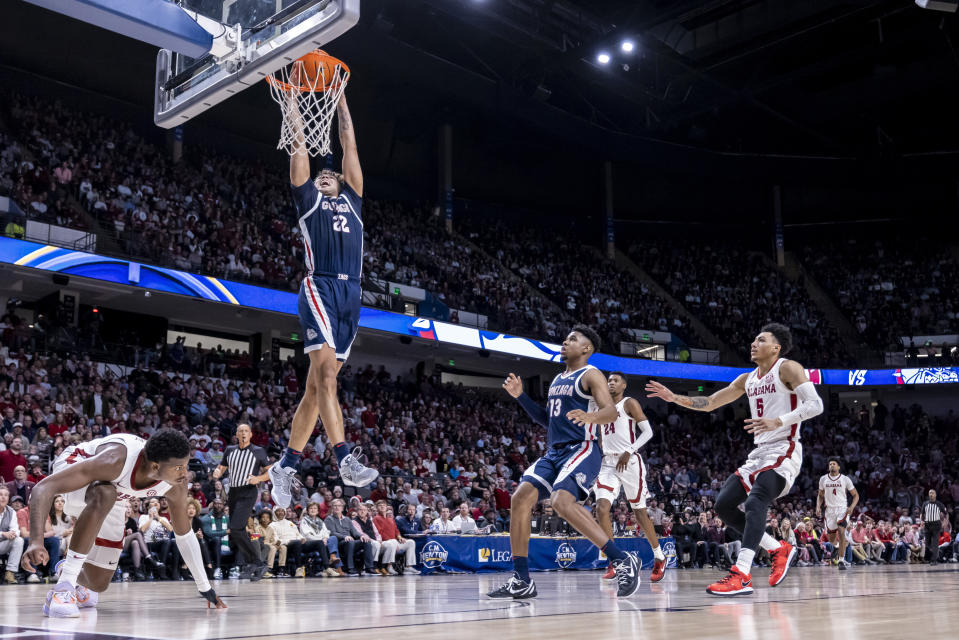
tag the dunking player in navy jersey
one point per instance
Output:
(569, 468)
(329, 211)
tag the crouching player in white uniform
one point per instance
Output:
(97, 479)
(624, 467)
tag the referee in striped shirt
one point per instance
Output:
(247, 466)
(932, 511)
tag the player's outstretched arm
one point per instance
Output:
(103, 467)
(724, 396)
(810, 404)
(599, 389)
(351, 158)
(300, 158)
(189, 546)
(514, 386)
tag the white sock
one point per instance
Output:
(769, 543)
(71, 569)
(745, 561)
(658, 553)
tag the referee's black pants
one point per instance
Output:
(932, 540)
(241, 504)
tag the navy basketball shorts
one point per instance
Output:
(329, 310)
(572, 467)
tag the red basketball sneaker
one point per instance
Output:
(782, 558)
(610, 572)
(736, 583)
(659, 570)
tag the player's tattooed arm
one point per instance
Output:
(352, 172)
(699, 403)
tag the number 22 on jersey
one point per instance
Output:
(340, 224)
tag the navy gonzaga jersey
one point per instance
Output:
(332, 231)
(566, 393)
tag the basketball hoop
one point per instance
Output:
(308, 92)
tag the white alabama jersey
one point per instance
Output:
(618, 436)
(770, 398)
(834, 490)
(124, 483)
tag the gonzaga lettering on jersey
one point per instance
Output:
(329, 301)
(332, 231)
(566, 394)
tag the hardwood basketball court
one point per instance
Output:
(878, 602)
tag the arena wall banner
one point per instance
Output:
(128, 273)
(480, 554)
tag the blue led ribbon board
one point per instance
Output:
(126, 273)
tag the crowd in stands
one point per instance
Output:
(39, 189)
(408, 245)
(233, 218)
(735, 292)
(889, 288)
(576, 277)
(447, 455)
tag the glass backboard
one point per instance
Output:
(256, 38)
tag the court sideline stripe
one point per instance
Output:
(678, 609)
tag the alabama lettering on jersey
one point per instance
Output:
(618, 436)
(332, 231)
(834, 490)
(770, 397)
(124, 482)
(566, 394)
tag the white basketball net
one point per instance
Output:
(306, 106)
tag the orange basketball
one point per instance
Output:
(318, 69)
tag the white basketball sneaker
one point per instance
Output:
(282, 479)
(86, 599)
(61, 604)
(355, 473)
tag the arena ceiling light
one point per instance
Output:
(603, 58)
(627, 46)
